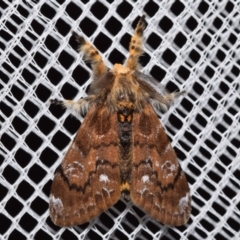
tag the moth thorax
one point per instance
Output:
(120, 69)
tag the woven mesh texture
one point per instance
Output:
(192, 45)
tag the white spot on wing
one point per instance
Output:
(56, 204)
(168, 168)
(167, 148)
(183, 203)
(74, 146)
(108, 191)
(103, 178)
(145, 178)
(141, 192)
(74, 169)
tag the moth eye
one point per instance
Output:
(121, 97)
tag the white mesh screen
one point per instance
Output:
(192, 45)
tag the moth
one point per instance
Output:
(121, 147)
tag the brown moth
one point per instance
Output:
(121, 147)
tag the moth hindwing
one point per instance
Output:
(121, 147)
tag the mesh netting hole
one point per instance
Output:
(22, 157)
(37, 27)
(125, 40)
(234, 224)
(183, 72)
(14, 60)
(174, 234)
(62, 27)
(54, 76)
(185, 146)
(73, 10)
(151, 8)
(143, 235)
(66, 235)
(25, 190)
(57, 110)
(46, 191)
(7, 67)
(119, 235)
(154, 40)
(180, 40)
(88, 26)
(71, 124)
(195, 56)
(171, 86)
(5, 223)
(190, 137)
(31, 108)
(99, 10)
(3, 193)
(64, 140)
(113, 26)
(13, 207)
(33, 141)
(102, 42)
(93, 235)
(15, 234)
(48, 11)
(43, 93)
(217, 22)
(220, 236)
(80, 75)
(65, 59)
(191, 23)
(6, 110)
(108, 223)
(48, 157)
(119, 207)
(158, 73)
(116, 57)
(46, 125)
(129, 222)
(43, 235)
(169, 57)
(27, 44)
(124, 9)
(8, 141)
(177, 7)
(68, 91)
(165, 24)
(198, 88)
(22, 11)
(138, 211)
(10, 174)
(4, 77)
(39, 206)
(27, 222)
(40, 59)
(28, 76)
(19, 125)
(51, 43)
(36, 173)
(11, 27)
(203, 7)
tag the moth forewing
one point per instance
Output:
(88, 180)
(120, 148)
(158, 184)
